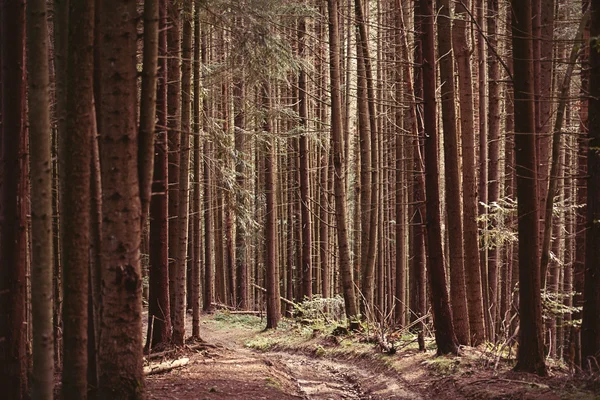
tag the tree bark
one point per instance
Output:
(120, 344)
(159, 309)
(442, 315)
(148, 103)
(531, 347)
(304, 169)
(469, 183)
(13, 357)
(458, 294)
(337, 146)
(271, 265)
(41, 200)
(75, 196)
(174, 140)
(178, 308)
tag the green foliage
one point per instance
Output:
(322, 309)
(553, 306)
(495, 232)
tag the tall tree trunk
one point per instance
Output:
(209, 293)
(195, 215)
(452, 178)
(369, 258)
(442, 315)
(590, 329)
(178, 308)
(304, 169)
(469, 183)
(338, 162)
(75, 196)
(148, 103)
(531, 346)
(241, 234)
(61, 33)
(271, 265)
(174, 139)
(120, 344)
(493, 178)
(13, 358)
(41, 200)
(159, 309)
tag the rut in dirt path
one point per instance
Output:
(320, 378)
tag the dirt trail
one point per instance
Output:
(233, 371)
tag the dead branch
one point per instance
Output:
(166, 366)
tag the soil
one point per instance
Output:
(322, 368)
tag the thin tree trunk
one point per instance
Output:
(493, 178)
(197, 202)
(41, 200)
(75, 196)
(174, 140)
(159, 309)
(148, 103)
(452, 178)
(178, 307)
(442, 315)
(471, 239)
(271, 267)
(209, 293)
(304, 170)
(338, 162)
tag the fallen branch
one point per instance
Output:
(225, 306)
(246, 312)
(198, 346)
(165, 366)
(286, 301)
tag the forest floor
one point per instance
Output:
(237, 359)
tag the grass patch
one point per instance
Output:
(443, 365)
(272, 382)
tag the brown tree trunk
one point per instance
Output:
(493, 178)
(531, 346)
(13, 358)
(75, 196)
(369, 258)
(174, 140)
(304, 169)
(442, 315)
(271, 267)
(159, 310)
(120, 344)
(452, 178)
(148, 103)
(338, 161)
(197, 193)
(209, 293)
(41, 200)
(469, 183)
(178, 307)
(241, 234)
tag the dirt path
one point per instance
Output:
(232, 371)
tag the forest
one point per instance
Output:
(319, 199)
